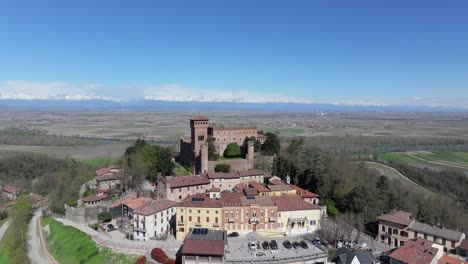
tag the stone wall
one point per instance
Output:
(84, 215)
(236, 164)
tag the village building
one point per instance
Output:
(109, 178)
(197, 211)
(462, 249)
(124, 208)
(416, 251)
(397, 227)
(193, 150)
(10, 192)
(347, 256)
(204, 246)
(94, 200)
(154, 219)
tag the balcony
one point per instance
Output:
(272, 219)
(215, 224)
(139, 229)
(231, 220)
(181, 223)
(297, 220)
(197, 224)
(254, 220)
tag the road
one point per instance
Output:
(4, 228)
(35, 247)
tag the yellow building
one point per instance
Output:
(296, 216)
(197, 211)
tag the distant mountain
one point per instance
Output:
(23, 101)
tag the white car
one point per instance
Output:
(252, 245)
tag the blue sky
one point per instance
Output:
(347, 52)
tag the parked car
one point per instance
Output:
(303, 244)
(110, 227)
(265, 245)
(274, 245)
(252, 245)
(296, 245)
(233, 234)
(287, 244)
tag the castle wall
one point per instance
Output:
(236, 164)
(225, 135)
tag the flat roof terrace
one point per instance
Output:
(239, 252)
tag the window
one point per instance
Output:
(453, 244)
(207, 212)
(172, 190)
(383, 228)
(279, 214)
(198, 219)
(181, 218)
(161, 229)
(180, 197)
(237, 214)
(190, 218)
(201, 138)
(444, 241)
(190, 211)
(403, 234)
(216, 212)
(415, 234)
(226, 215)
(198, 211)
(207, 219)
(395, 231)
(162, 220)
(312, 222)
(261, 213)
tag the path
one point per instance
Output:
(37, 249)
(4, 228)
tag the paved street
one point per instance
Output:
(35, 249)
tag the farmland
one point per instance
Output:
(436, 158)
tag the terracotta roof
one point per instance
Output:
(436, 231)
(199, 200)
(8, 204)
(221, 175)
(464, 244)
(293, 203)
(214, 189)
(36, 197)
(231, 199)
(114, 166)
(398, 217)
(418, 251)
(154, 207)
(250, 191)
(10, 189)
(304, 193)
(199, 118)
(132, 202)
(279, 187)
(450, 260)
(258, 186)
(94, 198)
(241, 186)
(276, 182)
(109, 176)
(203, 248)
(261, 135)
(101, 171)
(186, 181)
(251, 173)
(257, 200)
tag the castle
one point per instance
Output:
(193, 150)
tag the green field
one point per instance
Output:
(5, 256)
(69, 245)
(182, 171)
(439, 158)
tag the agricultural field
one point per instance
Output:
(437, 158)
(69, 245)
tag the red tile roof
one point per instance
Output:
(261, 135)
(251, 173)
(276, 182)
(94, 198)
(241, 186)
(221, 175)
(199, 118)
(101, 171)
(10, 189)
(203, 247)
(398, 217)
(418, 251)
(258, 186)
(205, 203)
(464, 244)
(132, 202)
(304, 193)
(186, 181)
(250, 191)
(231, 199)
(450, 260)
(154, 207)
(214, 189)
(109, 176)
(292, 203)
(257, 200)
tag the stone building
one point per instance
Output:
(193, 150)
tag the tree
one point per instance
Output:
(212, 155)
(104, 217)
(272, 144)
(232, 150)
(423, 215)
(245, 145)
(223, 168)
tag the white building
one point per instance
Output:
(154, 219)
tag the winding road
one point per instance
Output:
(4, 228)
(36, 246)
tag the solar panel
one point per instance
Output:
(196, 231)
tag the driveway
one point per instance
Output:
(35, 247)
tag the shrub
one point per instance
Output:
(104, 217)
(223, 168)
(95, 226)
(232, 151)
(141, 260)
(160, 256)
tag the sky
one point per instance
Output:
(312, 51)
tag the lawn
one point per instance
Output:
(398, 157)
(4, 251)
(100, 162)
(181, 170)
(68, 245)
(452, 156)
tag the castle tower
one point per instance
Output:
(199, 132)
(204, 158)
(250, 154)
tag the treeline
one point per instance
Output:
(351, 188)
(21, 136)
(57, 179)
(363, 143)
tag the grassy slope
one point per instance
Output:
(100, 161)
(440, 158)
(69, 245)
(4, 253)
